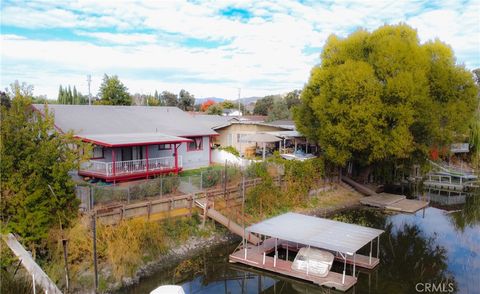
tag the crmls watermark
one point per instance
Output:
(434, 287)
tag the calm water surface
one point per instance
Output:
(440, 245)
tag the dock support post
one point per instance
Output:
(378, 246)
(308, 260)
(344, 268)
(275, 256)
(370, 255)
(354, 264)
(33, 284)
(263, 257)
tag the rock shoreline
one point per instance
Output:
(189, 249)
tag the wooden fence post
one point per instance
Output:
(149, 209)
(192, 196)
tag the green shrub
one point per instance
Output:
(170, 184)
(230, 149)
(256, 170)
(210, 177)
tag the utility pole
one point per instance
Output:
(89, 80)
(239, 109)
(94, 237)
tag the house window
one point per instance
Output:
(97, 152)
(241, 138)
(195, 144)
(164, 147)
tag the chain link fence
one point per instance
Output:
(210, 178)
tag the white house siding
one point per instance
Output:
(190, 159)
(195, 159)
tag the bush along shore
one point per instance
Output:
(183, 239)
(136, 248)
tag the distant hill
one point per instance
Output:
(247, 100)
(199, 101)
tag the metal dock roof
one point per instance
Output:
(317, 232)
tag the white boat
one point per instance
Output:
(168, 289)
(313, 261)
(297, 155)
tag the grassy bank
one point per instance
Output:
(121, 250)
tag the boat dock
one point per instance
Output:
(341, 239)
(394, 202)
(255, 258)
(385, 200)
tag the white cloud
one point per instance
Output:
(119, 38)
(142, 41)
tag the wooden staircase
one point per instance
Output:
(232, 226)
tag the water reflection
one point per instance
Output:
(435, 246)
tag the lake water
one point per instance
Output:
(437, 246)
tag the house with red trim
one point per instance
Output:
(132, 142)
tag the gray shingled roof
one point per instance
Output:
(317, 232)
(108, 120)
(213, 121)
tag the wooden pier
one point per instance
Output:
(385, 200)
(256, 259)
(394, 202)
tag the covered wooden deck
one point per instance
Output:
(292, 231)
(284, 267)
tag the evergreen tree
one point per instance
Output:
(113, 92)
(69, 95)
(75, 99)
(60, 95)
(34, 156)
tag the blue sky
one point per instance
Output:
(210, 48)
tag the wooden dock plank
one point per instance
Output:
(407, 205)
(381, 200)
(231, 225)
(362, 261)
(255, 259)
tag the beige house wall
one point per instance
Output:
(230, 135)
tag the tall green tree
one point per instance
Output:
(279, 110)
(215, 109)
(113, 92)
(168, 98)
(293, 98)
(34, 156)
(263, 105)
(384, 96)
(5, 100)
(186, 101)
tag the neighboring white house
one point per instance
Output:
(133, 142)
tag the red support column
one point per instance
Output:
(176, 158)
(146, 155)
(113, 161)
